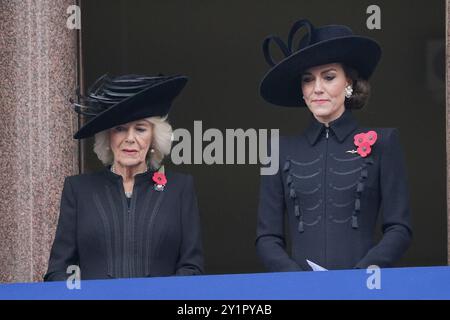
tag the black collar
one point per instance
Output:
(341, 127)
(138, 178)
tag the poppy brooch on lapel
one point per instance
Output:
(160, 180)
(364, 142)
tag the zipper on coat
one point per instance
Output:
(127, 236)
(131, 231)
(325, 173)
(130, 220)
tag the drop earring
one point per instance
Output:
(348, 91)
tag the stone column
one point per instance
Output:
(38, 67)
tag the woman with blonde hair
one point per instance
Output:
(131, 219)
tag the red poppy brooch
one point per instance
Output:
(160, 180)
(364, 142)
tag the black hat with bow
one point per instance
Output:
(112, 101)
(328, 44)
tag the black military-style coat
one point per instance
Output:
(332, 198)
(158, 234)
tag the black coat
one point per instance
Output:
(158, 235)
(332, 199)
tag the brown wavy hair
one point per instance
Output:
(361, 89)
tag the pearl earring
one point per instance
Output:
(348, 91)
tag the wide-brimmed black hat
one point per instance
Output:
(112, 101)
(328, 44)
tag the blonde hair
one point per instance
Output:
(161, 143)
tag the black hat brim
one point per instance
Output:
(154, 101)
(282, 84)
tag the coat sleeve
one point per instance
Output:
(396, 226)
(64, 249)
(270, 241)
(190, 261)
